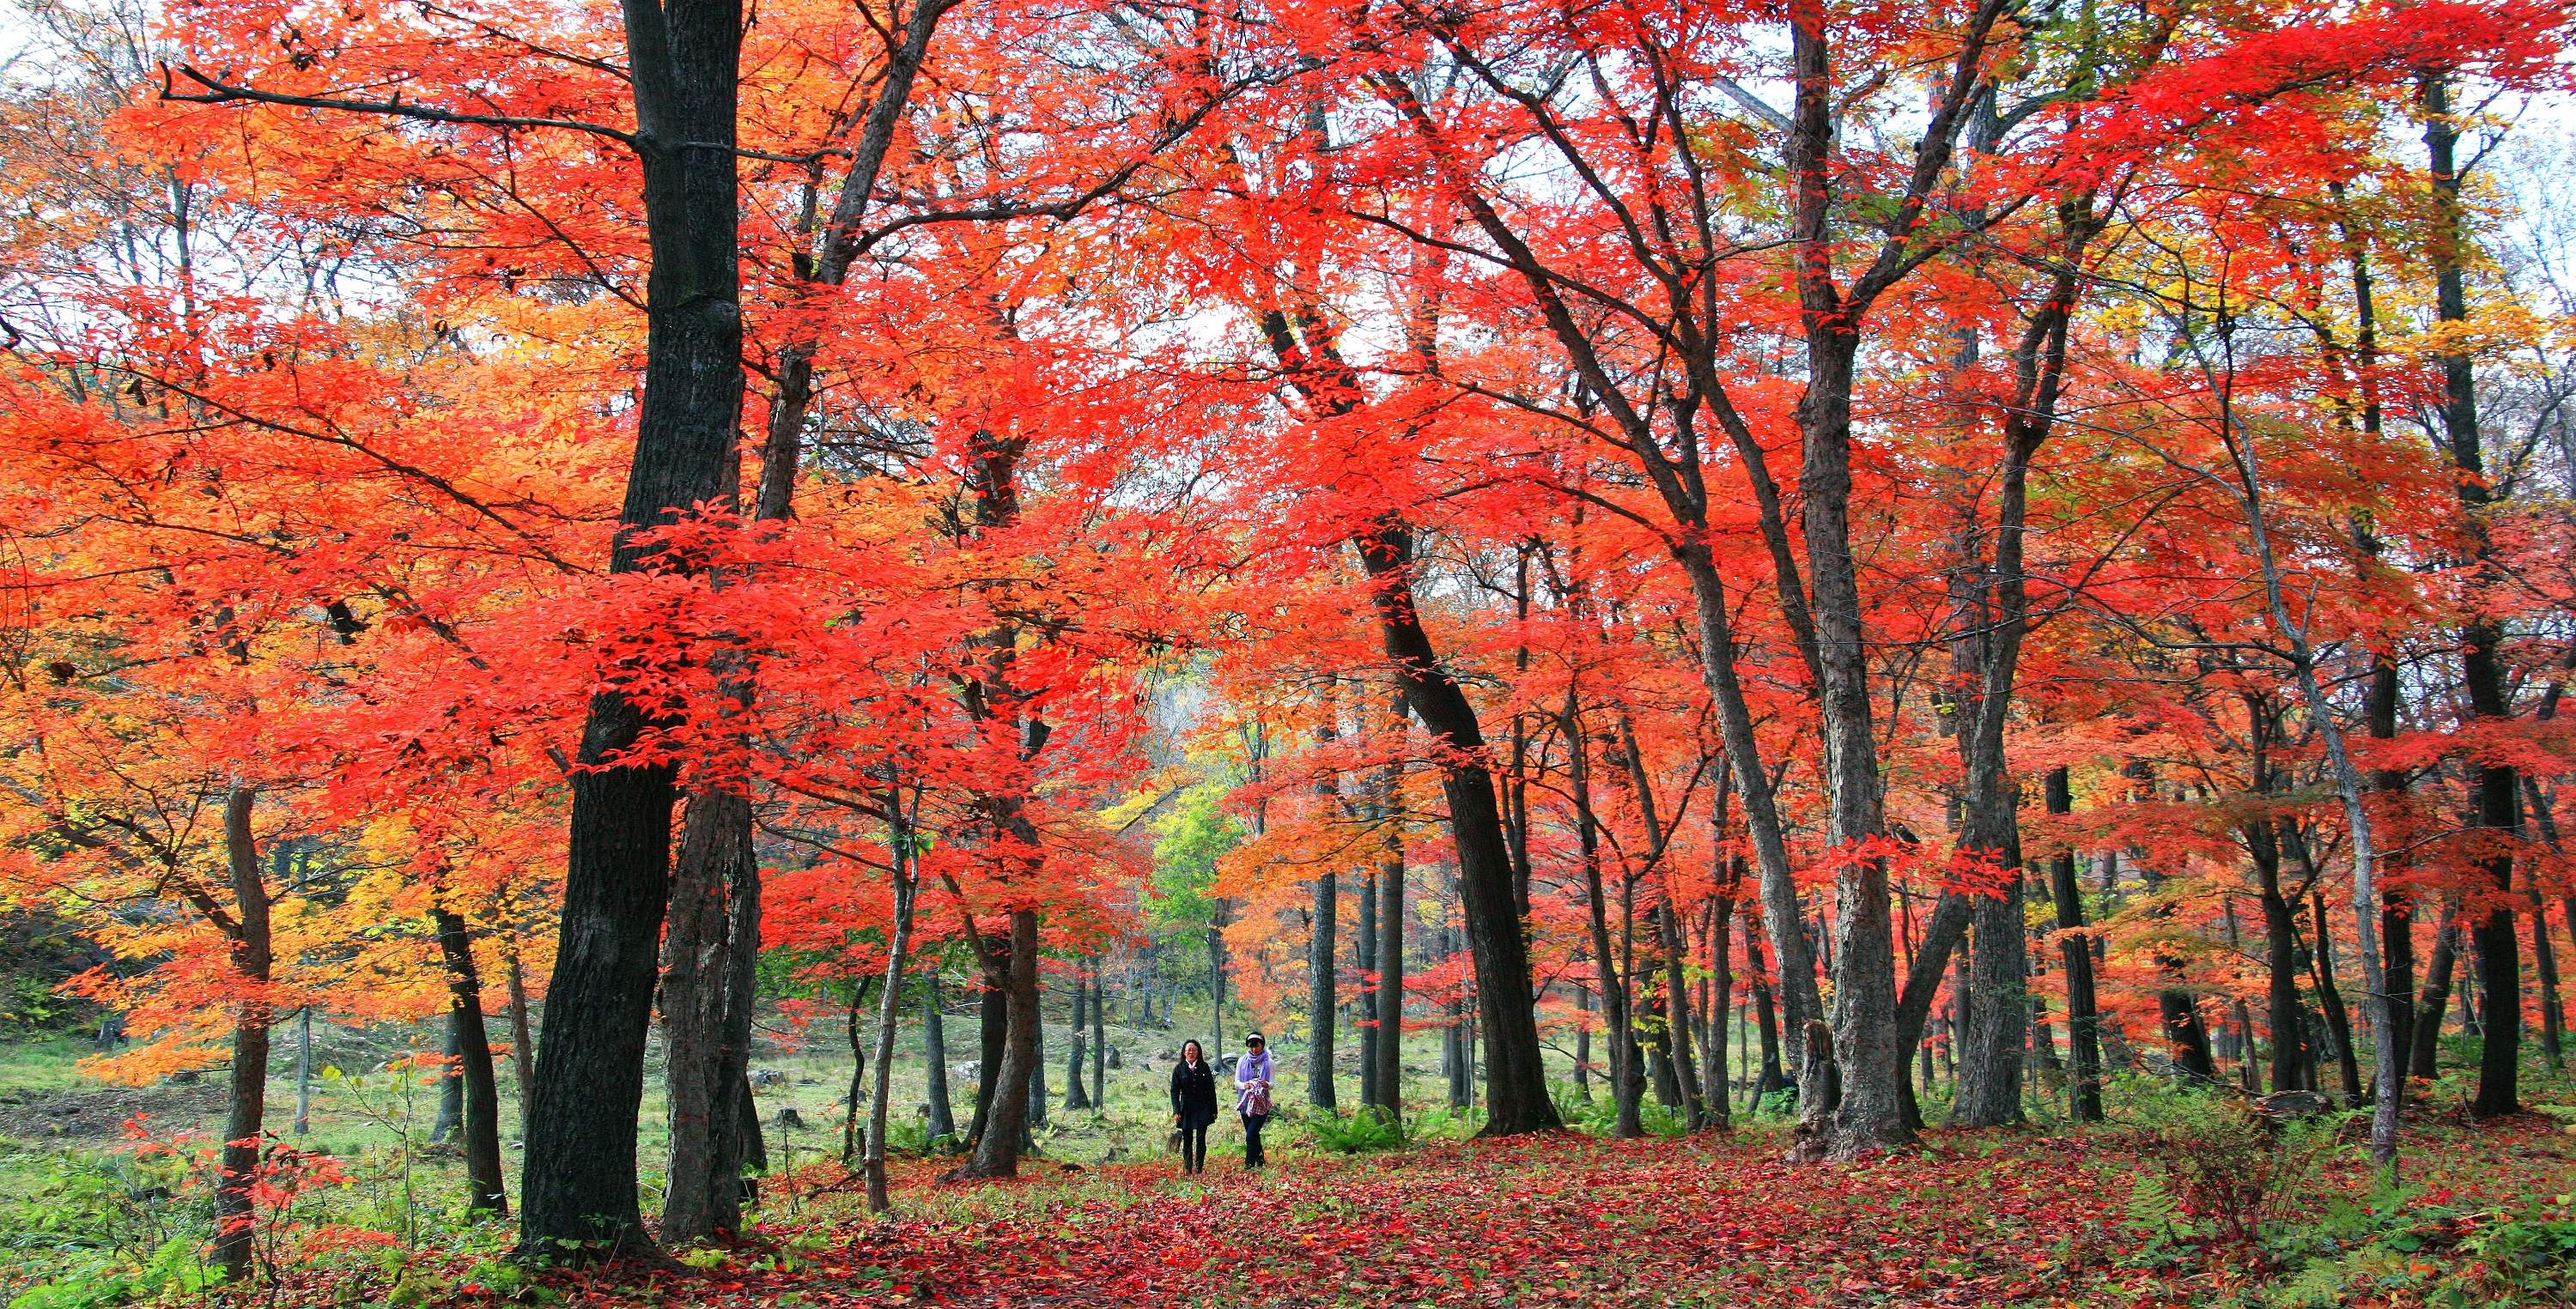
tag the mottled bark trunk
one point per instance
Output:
(704, 1060)
(246, 1097)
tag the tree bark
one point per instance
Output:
(1516, 1099)
(2083, 1015)
(1390, 961)
(1075, 1097)
(473, 1049)
(2330, 998)
(2425, 1053)
(1618, 1026)
(1323, 953)
(907, 882)
(704, 1062)
(997, 1152)
(451, 1084)
(246, 1099)
(934, 1058)
(577, 1189)
(523, 1046)
(2482, 667)
(1364, 966)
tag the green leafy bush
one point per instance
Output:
(1361, 1131)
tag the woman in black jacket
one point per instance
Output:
(1193, 1105)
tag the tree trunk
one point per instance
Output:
(2083, 1015)
(523, 1047)
(1364, 965)
(890, 1008)
(1390, 966)
(1099, 1046)
(451, 1084)
(2482, 666)
(304, 1071)
(1719, 1086)
(994, 1024)
(473, 1050)
(1583, 1042)
(1216, 990)
(578, 1184)
(1766, 1016)
(246, 1101)
(2330, 998)
(1323, 952)
(1677, 1016)
(1618, 1026)
(997, 1151)
(1075, 1097)
(1037, 1070)
(2544, 957)
(934, 1058)
(702, 1063)
(2281, 962)
(1516, 1099)
(2424, 1055)
(850, 1033)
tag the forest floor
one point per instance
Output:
(2139, 1215)
(2180, 1201)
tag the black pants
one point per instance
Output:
(1193, 1147)
(1252, 1125)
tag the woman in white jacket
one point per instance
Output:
(1252, 1096)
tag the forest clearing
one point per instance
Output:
(1017, 652)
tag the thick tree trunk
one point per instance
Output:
(482, 1107)
(1766, 1017)
(1677, 1015)
(1099, 1046)
(2482, 666)
(2544, 958)
(997, 1152)
(2290, 1069)
(1038, 1095)
(1516, 1099)
(578, 1184)
(2397, 909)
(704, 1061)
(246, 1099)
(451, 1084)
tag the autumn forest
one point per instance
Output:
(1810, 653)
